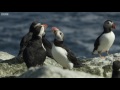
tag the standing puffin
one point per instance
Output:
(63, 55)
(106, 39)
(27, 38)
(35, 52)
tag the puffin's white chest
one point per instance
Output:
(106, 41)
(60, 55)
(43, 47)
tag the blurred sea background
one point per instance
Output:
(80, 29)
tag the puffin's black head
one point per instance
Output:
(116, 65)
(108, 26)
(39, 30)
(58, 34)
(32, 26)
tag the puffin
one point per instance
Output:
(61, 53)
(25, 39)
(104, 42)
(35, 52)
(116, 69)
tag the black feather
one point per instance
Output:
(24, 43)
(97, 43)
(34, 54)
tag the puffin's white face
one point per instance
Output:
(58, 34)
(109, 24)
(42, 30)
(38, 24)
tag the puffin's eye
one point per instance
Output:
(60, 33)
(107, 22)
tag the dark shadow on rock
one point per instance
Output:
(116, 69)
(1, 60)
(14, 60)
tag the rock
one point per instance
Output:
(11, 67)
(98, 66)
(117, 55)
(55, 72)
(5, 56)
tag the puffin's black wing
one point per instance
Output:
(48, 47)
(71, 56)
(97, 43)
(24, 43)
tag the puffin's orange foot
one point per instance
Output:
(102, 57)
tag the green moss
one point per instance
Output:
(90, 70)
(94, 71)
(12, 67)
(107, 68)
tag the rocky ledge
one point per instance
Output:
(93, 68)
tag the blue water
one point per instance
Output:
(80, 29)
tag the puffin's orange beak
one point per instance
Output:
(54, 29)
(114, 26)
(45, 25)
